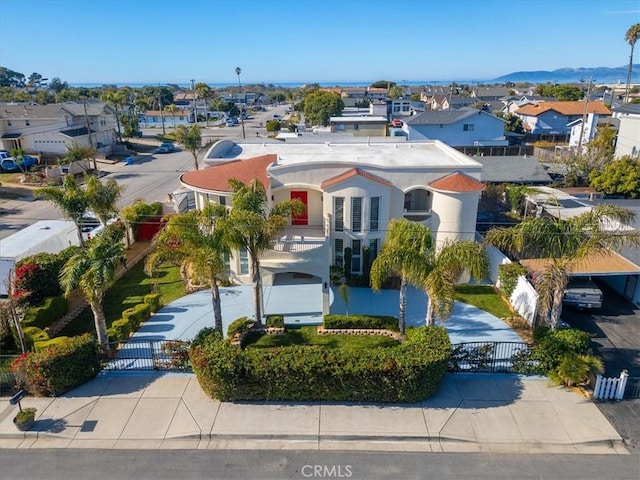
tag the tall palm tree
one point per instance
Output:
(93, 270)
(192, 240)
(252, 225)
(238, 72)
(191, 138)
(564, 242)
(407, 252)
(102, 197)
(118, 99)
(172, 110)
(70, 199)
(631, 37)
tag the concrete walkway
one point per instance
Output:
(470, 413)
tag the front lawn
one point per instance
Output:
(128, 292)
(485, 297)
(309, 336)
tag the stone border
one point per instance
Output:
(359, 331)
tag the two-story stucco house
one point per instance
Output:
(359, 126)
(351, 192)
(556, 117)
(465, 127)
(628, 139)
(52, 129)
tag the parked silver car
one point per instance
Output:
(582, 292)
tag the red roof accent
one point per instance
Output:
(217, 177)
(565, 108)
(352, 173)
(457, 182)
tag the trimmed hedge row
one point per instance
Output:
(52, 309)
(378, 322)
(59, 368)
(410, 372)
(132, 318)
(275, 321)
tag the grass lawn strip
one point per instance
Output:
(309, 336)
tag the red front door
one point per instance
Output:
(303, 218)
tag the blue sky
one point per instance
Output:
(162, 41)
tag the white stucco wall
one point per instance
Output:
(454, 215)
(628, 141)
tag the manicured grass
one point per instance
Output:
(484, 297)
(127, 292)
(309, 336)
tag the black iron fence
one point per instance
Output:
(7, 379)
(633, 388)
(148, 355)
(492, 357)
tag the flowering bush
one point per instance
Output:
(59, 368)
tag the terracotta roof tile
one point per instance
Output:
(352, 173)
(457, 182)
(216, 178)
(564, 108)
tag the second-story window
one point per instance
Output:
(27, 123)
(468, 127)
(338, 213)
(356, 214)
(374, 214)
(244, 261)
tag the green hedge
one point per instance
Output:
(275, 321)
(377, 322)
(35, 334)
(59, 368)
(550, 348)
(131, 319)
(239, 325)
(119, 330)
(44, 344)
(410, 372)
(52, 309)
(154, 301)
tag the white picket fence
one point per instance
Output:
(610, 388)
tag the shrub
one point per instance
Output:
(35, 334)
(275, 321)
(508, 274)
(551, 347)
(119, 330)
(240, 325)
(153, 300)
(58, 368)
(410, 372)
(575, 369)
(206, 335)
(52, 309)
(378, 322)
(44, 344)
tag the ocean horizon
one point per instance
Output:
(275, 84)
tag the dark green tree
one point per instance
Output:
(621, 177)
(319, 106)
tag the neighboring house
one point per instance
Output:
(361, 126)
(628, 140)
(620, 269)
(512, 104)
(440, 101)
(52, 129)
(583, 131)
(487, 94)
(156, 118)
(353, 95)
(351, 192)
(547, 118)
(516, 169)
(458, 128)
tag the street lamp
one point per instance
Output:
(238, 72)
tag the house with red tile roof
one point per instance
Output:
(554, 118)
(351, 192)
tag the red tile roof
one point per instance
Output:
(217, 177)
(564, 108)
(457, 182)
(352, 173)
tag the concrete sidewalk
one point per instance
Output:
(470, 413)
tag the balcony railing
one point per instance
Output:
(297, 239)
(417, 215)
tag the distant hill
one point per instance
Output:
(570, 75)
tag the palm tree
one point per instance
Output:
(203, 91)
(118, 99)
(172, 109)
(93, 270)
(238, 72)
(451, 262)
(564, 242)
(102, 198)
(631, 37)
(407, 252)
(252, 225)
(192, 240)
(191, 138)
(70, 199)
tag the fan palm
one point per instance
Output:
(631, 37)
(102, 197)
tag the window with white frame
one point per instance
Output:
(468, 127)
(356, 214)
(374, 246)
(374, 214)
(338, 254)
(338, 214)
(244, 261)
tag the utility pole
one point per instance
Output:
(161, 111)
(195, 108)
(86, 118)
(584, 116)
